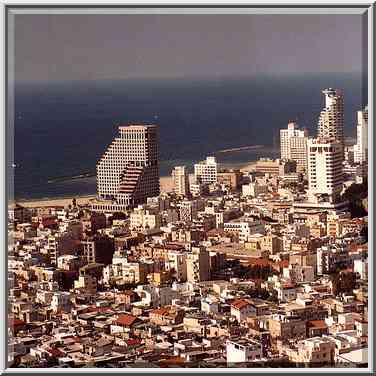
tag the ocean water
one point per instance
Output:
(61, 129)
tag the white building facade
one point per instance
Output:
(206, 171)
(293, 143)
(325, 170)
(180, 179)
(243, 351)
(128, 171)
(361, 147)
(331, 122)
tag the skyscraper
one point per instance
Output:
(128, 171)
(361, 147)
(294, 145)
(325, 170)
(330, 123)
(180, 178)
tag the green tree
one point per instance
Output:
(355, 195)
(343, 282)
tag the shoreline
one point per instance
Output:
(166, 186)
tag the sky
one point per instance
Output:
(80, 47)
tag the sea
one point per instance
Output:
(60, 129)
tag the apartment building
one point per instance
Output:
(206, 171)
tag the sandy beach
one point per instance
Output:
(166, 185)
(249, 167)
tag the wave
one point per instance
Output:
(241, 148)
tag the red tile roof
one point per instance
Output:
(259, 262)
(126, 320)
(317, 324)
(288, 286)
(240, 303)
(55, 352)
(133, 342)
(281, 264)
(17, 322)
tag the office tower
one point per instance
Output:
(128, 171)
(331, 117)
(325, 170)
(180, 178)
(294, 145)
(361, 147)
(206, 171)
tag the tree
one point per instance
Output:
(343, 282)
(364, 233)
(355, 194)
(117, 215)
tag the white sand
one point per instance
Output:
(81, 200)
(249, 167)
(166, 185)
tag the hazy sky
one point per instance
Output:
(49, 47)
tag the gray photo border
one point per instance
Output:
(8, 10)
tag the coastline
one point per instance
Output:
(166, 186)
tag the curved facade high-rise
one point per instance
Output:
(331, 120)
(128, 172)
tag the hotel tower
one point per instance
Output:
(331, 117)
(128, 172)
(325, 170)
(361, 147)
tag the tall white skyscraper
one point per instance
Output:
(294, 145)
(206, 171)
(180, 178)
(361, 147)
(325, 170)
(331, 117)
(128, 171)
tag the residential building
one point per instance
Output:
(316, 350)
(206, 171)
(180, 179)
(243, 350)
(189, 209)
(241, 309)
(230, 178)
(142, 218)
(286, 327)
(244, 228)
(254, 189)
(198, 265)
(293, 142)
(98, 249)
